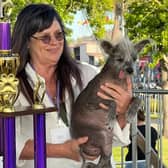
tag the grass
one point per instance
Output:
(117, 154)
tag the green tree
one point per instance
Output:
(149, 19)
(95, 11)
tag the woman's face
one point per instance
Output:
(46, 47)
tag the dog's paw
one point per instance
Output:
(133, 108)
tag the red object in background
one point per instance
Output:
(85, 22)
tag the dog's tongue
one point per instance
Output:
(121, 74)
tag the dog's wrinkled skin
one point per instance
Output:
(88, 119)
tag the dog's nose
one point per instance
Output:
(129, 70)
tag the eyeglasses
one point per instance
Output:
(46, 39)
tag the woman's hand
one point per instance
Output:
(121, 96)
(73, 149)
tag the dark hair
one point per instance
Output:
(141, 115)
(35, 18)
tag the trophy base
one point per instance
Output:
(7, 109)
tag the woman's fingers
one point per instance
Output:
(129, 85)
(88, 157)
(103, 106)
(122, 96)
(104, 95)
(108, 92)
(82, 140)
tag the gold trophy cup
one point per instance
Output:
(8, 82)
(8, 67)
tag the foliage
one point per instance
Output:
(95, 11)
(148, 19)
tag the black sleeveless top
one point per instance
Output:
(140, 154)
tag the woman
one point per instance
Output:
(39, 38)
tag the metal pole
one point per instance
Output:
(160, 129)
(148, 132)
(134, 143)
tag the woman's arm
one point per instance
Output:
(69, 149)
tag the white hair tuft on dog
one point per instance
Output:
(117, 36)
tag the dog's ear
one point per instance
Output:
(140, 45)
(106, 46)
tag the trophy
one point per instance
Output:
(9, 91)
(9, 63)
(38, 101)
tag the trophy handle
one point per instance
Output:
(6, 9)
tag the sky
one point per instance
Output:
(79, 29)
(80, 26)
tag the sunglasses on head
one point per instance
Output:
(46, 39)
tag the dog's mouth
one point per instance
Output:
(121, 74)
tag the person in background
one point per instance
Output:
(140, 154)
(39, 38)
